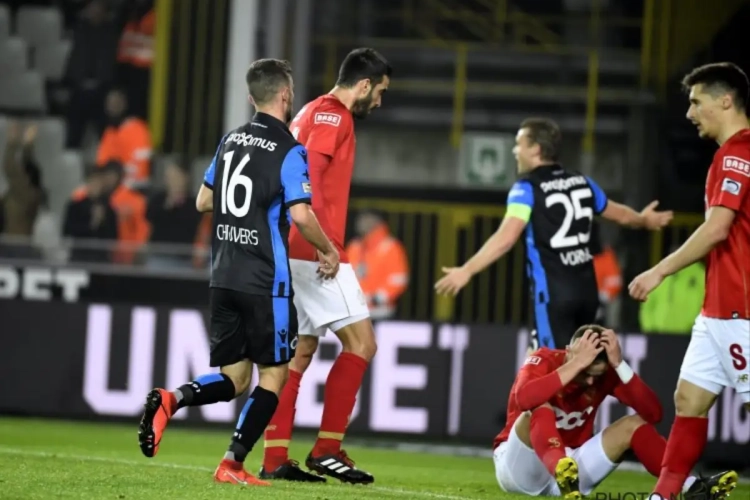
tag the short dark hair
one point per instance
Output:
(266, 77)
(598, 330)
(363, 64)
(546, 133)
(721, 78)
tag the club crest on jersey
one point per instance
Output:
(328, 118)
(731, 186)
(734, 164)
(533, 360)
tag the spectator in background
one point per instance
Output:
(127, 141)
(89, 215)
(25, 196)
(130, 206)
(135, 53)
(380, 262)
(673, 307)
(608, 273)
(90, 70)
(173, 218)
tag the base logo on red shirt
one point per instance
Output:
(328, 118)
(734, 164)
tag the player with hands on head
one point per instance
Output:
(718, 355)
(548, 446)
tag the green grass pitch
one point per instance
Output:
(45, 459)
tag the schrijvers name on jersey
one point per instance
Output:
(563, 184)
(244, 139)
(234, 234)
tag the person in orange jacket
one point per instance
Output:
(380, 263)
(133, 229)
(126, 140)
(608, 271)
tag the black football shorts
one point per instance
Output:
(260, 328)
(556, 322)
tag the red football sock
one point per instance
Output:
(342, 385)
(545, 439)
(649, 446)
(684, 447)
(279, 431)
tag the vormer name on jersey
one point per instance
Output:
(244, 139)
(563, 184)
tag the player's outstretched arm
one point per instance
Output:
(517, 215)
(713, 231)
(648, 218)
(204, 202)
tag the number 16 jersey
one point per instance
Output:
(258, 172)
(559, 207)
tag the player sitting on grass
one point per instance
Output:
(548, 446)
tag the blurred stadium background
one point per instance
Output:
(103, 297)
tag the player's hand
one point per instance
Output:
(654, 220)
(586, 348)
(645, 283)
(454, 280)
(608, 339)
(328, 263)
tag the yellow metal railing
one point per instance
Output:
(438, 234)
(160, 72)
(662, 243)
(673, 31)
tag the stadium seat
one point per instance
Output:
(50, 60)
(4, 21)
(50, 140)
(13, 56)
(61, 178)
(39, 26)
(23, 93)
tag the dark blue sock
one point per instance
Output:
(205, 390)
(253, 420)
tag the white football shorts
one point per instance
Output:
(718, 356)
(324, 305)
(518, 469)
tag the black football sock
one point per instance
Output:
(205, 390)
(253, 420)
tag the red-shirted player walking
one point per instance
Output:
(325, 127)
(719, 352)
(549, 436)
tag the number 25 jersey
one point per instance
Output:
(258, 172)
(559, 207)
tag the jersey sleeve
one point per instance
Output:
(600, 197)
(208, 177)
(733, 177)
(520, 201)
(327, 131)
(295, 179)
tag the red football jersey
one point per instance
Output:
(326, 126)
(728, 264)
(574, 405)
